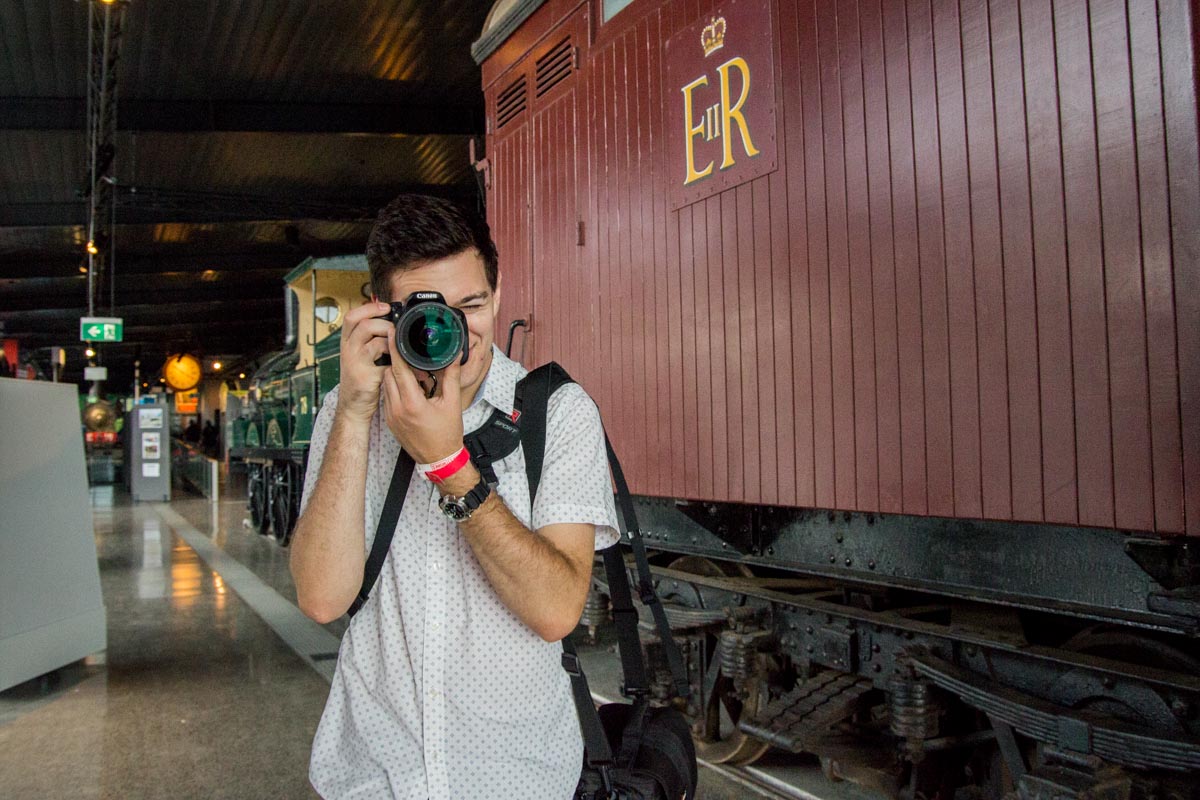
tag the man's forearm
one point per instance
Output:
(532, 577)
(328, 549)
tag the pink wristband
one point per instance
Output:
(441, 470)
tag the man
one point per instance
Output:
(449, 681)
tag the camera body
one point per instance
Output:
(429, 333)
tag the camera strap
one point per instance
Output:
(487, 444)
(498, 438)
(533, 395)
(392, 504)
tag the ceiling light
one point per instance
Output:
(91, 247)
(216, 366)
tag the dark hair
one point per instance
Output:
(415, 229)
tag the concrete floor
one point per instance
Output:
(199, 695)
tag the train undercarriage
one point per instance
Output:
(274, 481)
(917, 686)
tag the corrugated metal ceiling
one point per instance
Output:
(262, 50)
(252, 133)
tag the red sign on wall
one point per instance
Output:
(722, 118)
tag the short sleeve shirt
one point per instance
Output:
(440, 691)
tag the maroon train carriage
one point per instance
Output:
(893, 311)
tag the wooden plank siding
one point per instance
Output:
(970, 288)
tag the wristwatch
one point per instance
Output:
(460, 509)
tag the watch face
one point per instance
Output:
(454, 508)
(461, 508)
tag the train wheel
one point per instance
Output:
(730, 701)
(1132, 703)
(728, 704)
(256, 490)
(689, 596)
(284, 499)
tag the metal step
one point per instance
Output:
(802, 718)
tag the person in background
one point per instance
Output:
(208, 438)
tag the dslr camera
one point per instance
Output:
(429, 333)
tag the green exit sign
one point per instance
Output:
(100, 329)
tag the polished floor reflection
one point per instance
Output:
(195, 697)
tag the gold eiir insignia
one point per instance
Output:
(712, 38)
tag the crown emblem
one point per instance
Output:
(712, 38)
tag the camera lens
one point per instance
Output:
(429, 336)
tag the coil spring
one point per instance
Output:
(914, 710)
(595, 610)
(736, 651)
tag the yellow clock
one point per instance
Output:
(182, 372)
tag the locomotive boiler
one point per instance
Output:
(898, 305)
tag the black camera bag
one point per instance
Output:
(631, 751)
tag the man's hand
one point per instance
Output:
(428, 428)
(364, 340)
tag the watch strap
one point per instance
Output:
(460, 509)
(474, 498)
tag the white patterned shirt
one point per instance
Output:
(440, 691)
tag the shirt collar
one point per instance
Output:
(500, 384)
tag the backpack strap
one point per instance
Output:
(495, 439)
(487, 444)
(646, 591)
(532, 400)
(392, 504)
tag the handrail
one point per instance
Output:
(195, 469)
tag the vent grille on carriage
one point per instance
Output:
(511, 102)
(554, 67)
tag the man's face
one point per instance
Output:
(462, 281)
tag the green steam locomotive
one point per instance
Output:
(270, 430)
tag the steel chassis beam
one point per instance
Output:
(1084, 572)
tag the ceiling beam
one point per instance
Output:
(193, 116)
(39, 286)
(145, 205)
(64, 214)
(21, 267)
(234, 295)
(208, 313)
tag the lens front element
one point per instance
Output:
(429, 336)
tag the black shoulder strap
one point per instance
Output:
(532, 400)
(397, 489)
(645, 584)
(490, 442)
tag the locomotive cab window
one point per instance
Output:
(327, 310)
